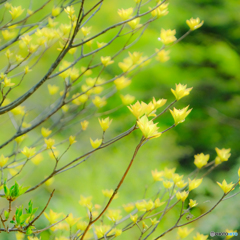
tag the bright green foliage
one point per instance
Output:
(22, 220)
(13, 192)
(6, 214)
(67, 66)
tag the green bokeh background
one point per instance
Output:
(207, 60)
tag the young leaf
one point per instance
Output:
(29, 210)
(6, 190)
(34, 210)
(29, 230)
(19, 211)
(23, 218)
(30, 204)
(6, 214)
(14, 191)
(22, 190)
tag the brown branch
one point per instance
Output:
(23, 20)
(36, 218)
(204, 214)
(25, 96)
(116, 189)
(119, 24)
(3, 223)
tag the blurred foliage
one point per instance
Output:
(208, 59)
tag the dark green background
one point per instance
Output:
(207, 60)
